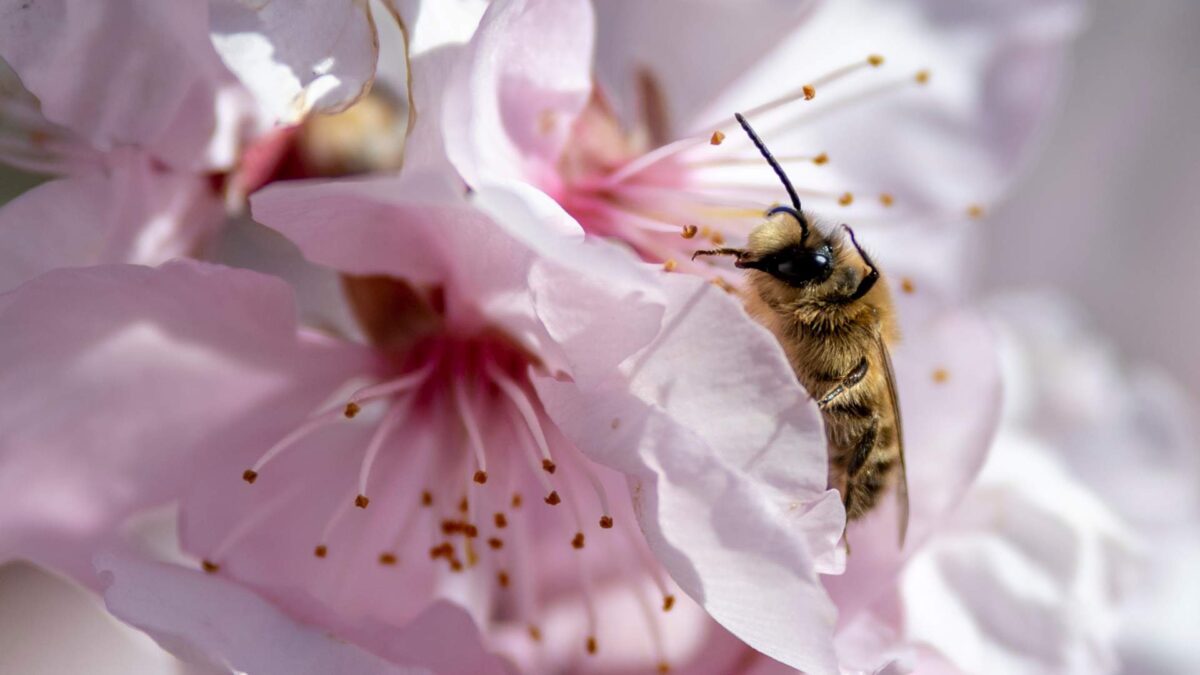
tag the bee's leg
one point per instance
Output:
(868, 282)
(858, 459)
(852, 378)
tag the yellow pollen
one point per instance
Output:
(705, 232)
(723, 285)
(718, 238)
(549, 466)
(846, 199)
(821, 159)
(670, 265)
(577, 541)
(975, 211)
(250, 475)
(426, 498)
(535, 633)
(810, 92)
(352, 409)
(516, 500)
(321, 551)
(591, 645)
(480, 477)
(907, 285)
(553, 499)
(922, 76)
(502, 578)
(940, 375)
(496, 543)
(689, 231)
(887, 199)
(606, 522)
(361, 501)
(387, 558)
(668, 602)
(209, 566)
(500, 520)
(875, 60)
(717, 137)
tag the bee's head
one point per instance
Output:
(786, 248)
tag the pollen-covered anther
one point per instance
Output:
(975, 211)
(846, 199)
(456, 565)
(209, 566)
(591, 644)
(668, 602)
(717, 137)
(387, 558)
(577, 541)
(940, 375)
(875, 60)
(250, 475)
(907, 285)
(549, 466)
(480, 477)
(689, 231)
(496, 543)
(664, 667)
(535, 633)
(810, 92)
(426, 498)
(516, 500)
(553, 499)
(361, 501)
(669, 265)
(887, 199)
(821, 159)
(351, 410)
(321, 550)
(717, 238)
(606, 522)
(464, 505)
(470, 530)
(443, 550)
(922, 76)
(500, 520)
(502, 578)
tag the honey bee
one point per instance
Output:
(830, 308)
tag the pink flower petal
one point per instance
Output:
(130, 213)
(297, 57)
(208, 619)
(113, 376)
(77, 57)
(727, 467)
(510, 107)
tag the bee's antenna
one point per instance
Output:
(787, 184)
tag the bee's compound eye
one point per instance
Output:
(802, 266)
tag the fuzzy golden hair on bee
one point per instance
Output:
(829, 306)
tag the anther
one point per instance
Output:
(875, 60)
(846, 199)
(496, 543)
(321, 551)
(975, 211)
(426, 498)
(553, 499)
(464, 505)
(689, 231)
(907, 285)
(940, 375)
(549, 466)
(717, 137)
(516, 500)
(669, 265)
(606, 522)
(717, 238)
(456, 565)
(535, 633)
(502, 578)
(501, 520)
(922, 76)
(668, 602)
(615, 423)
(387, 558)
(250, 475)
(809, 92)
(351, 410)
(591, 645)
(664, 667)
(209, 566)
(480, 477)
(820, 159)
(361, 501)
(887, 199)
(577, 541)
(470, 530)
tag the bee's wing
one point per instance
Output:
(889, 376)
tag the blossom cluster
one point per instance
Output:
(389, 313)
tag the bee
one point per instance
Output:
(829, 306)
